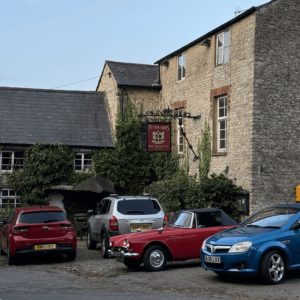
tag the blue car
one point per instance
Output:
(266, 244)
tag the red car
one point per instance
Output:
(181, 239)
(37, 229)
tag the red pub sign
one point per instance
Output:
(158, 137)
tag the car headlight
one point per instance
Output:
(203, 244)
(240, 247)
(110, 243)
(126, 243)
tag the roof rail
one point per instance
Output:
(148, 194)
(114, 196)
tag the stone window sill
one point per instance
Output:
(219, 154)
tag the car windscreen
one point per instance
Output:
(182, 219)
(272, 217)
(138, 207)
(42, 217)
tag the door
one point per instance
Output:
(295, 242)
(95, 221)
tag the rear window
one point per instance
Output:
(42, 217)
(138, 207)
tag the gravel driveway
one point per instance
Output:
(182, 278)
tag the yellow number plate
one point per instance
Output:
(142, 227)
(45, 247)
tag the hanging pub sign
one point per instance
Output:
(158, 137)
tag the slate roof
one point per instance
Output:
(74, 118)
(241, 16)
(134, 75)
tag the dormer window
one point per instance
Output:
(223, 48)
(83, 162)
(181, 66)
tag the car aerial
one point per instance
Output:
(266, 244)
(181, 239)
(116, 215)
(37, 229)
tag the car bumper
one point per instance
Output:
(231, 263)
(120, 256)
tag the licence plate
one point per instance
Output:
(142, 227)
(45, 247)
(213, 259)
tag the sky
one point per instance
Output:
(52, 43)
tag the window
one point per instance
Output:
(10, 197)
(11, 217)
(208, 219)
(83, 162)
(42, 217)
(181, 66)
(138, 207)
(222, 123)
(11, 160)
(179, 132)
(223, 48)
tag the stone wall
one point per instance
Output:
(147, 97)
(276, 127)
(203, 82)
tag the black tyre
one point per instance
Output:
(155, 258)
(90, 243)
(272, 268)
(1, 249)
(104, 245)
(71, 256)
(132, 263)
(10, 259)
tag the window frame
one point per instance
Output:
(219, 119)
(223, 48)
(8, 197)
(183, 54)
(179, 134)
(13, 164)
(82, 170)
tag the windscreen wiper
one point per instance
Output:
(275, 227)
(250, 225)
(48, 221)
(135, 211)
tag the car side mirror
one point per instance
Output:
(296, 225)
(4, 222)
(91, 212)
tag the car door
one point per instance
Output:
(295, 242)
(7, 229)
(105, 216)
(94, 221)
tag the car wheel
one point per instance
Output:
(104, 245)
(132, 263)
(10, 259)
(90, 244)
(272, 268)
(71, 256)
(155, 258)
(1, 249)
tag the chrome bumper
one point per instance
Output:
(121, 255)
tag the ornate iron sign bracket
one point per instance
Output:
(157, 116)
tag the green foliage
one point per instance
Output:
(8, 209)
(44, 166)
(75, 178)
(183, 192)
(204, 152)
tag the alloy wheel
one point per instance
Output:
(276, 267)
(157, 258)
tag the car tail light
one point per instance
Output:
(66, 226)
(166, 220)
(20, 228)
(113, 224)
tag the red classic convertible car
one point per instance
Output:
(181, 239)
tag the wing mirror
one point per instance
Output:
(91, 212)
(4, 222)
(297, 225)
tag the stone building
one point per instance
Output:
(242, 77)
(120, 81)
(77, 119)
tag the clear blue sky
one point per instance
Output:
(49, 43)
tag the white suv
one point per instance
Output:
(117, 215)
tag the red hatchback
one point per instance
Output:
(37, 229)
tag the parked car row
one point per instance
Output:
(135, 230)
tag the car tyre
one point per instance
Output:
(155, 258)
(104, 245)
(71, 256)
(130, 263)
(10, 259)
(90, 243)
(1, 249)
(272, 268)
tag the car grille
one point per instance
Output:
(119, 249)
(217, 248)
(214, 266)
